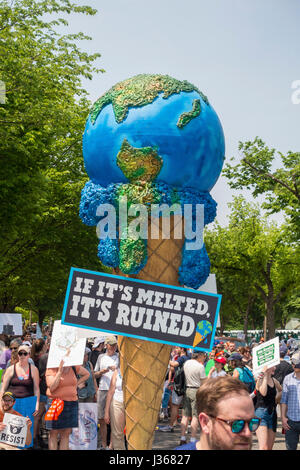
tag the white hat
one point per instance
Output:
(98, 341)
(27, 343)
(296, 359)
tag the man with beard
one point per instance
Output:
(6, 406)
(226, 416)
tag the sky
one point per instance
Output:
(243, 54)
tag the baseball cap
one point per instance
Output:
(111, 340)
(27, 343)
(296, 359)
(222, 360)
(99, 340)
(9, 394)
(235, 357)
(282, 350)
(24, 347)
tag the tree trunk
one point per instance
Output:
(247, 313)
(270, 313)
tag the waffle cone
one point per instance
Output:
(198, 338)
(144, 363)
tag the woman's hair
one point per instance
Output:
(215, 389)
(17, 341)
(14, 358)
(5, 340)
(237, 363)
(37, 347)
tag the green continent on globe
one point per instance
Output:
(140, 91)
(139, 164)
(185, 118)
(132, 253)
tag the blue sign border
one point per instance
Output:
(116, 277)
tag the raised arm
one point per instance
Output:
(110, 395)
(36, 387)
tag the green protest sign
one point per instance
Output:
(266, 354)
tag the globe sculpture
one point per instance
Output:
(155, 140)
(151, 140)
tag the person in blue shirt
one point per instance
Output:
(290, 404)
(182, 357)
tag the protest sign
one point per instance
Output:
(85, 333)
(65, 344)
(210, 286)
(15, 430)
(85, 436)
(266, 354)
(11, 324)
(141, 309)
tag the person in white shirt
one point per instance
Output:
(105, 366)
(218, 369)
(115, 411)
(194, 372)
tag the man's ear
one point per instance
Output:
(204, 421)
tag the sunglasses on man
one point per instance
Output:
(237, 425)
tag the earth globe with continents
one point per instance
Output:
(156, 140)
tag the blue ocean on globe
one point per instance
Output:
(192, 156)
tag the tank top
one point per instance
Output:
(89, 389)
(21, 388)
(268, 401)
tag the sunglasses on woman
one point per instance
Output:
(237, 425)
(22, 353)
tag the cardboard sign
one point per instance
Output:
(85, 436)
(266, 354)
(141, 309)
(11, 324)
(210, 286)
(65, 344)
(15, 430)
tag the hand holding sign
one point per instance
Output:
(266, 355)
(14, 430)
(140, 309)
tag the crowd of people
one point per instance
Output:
(275, 390)
(195, 383)
(50, 397)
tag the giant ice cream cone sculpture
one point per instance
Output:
(150, 140)
(144, 363)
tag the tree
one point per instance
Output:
(281, 187)
(258, 255)
(41, 171)
(240, 306)
(288, 308)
